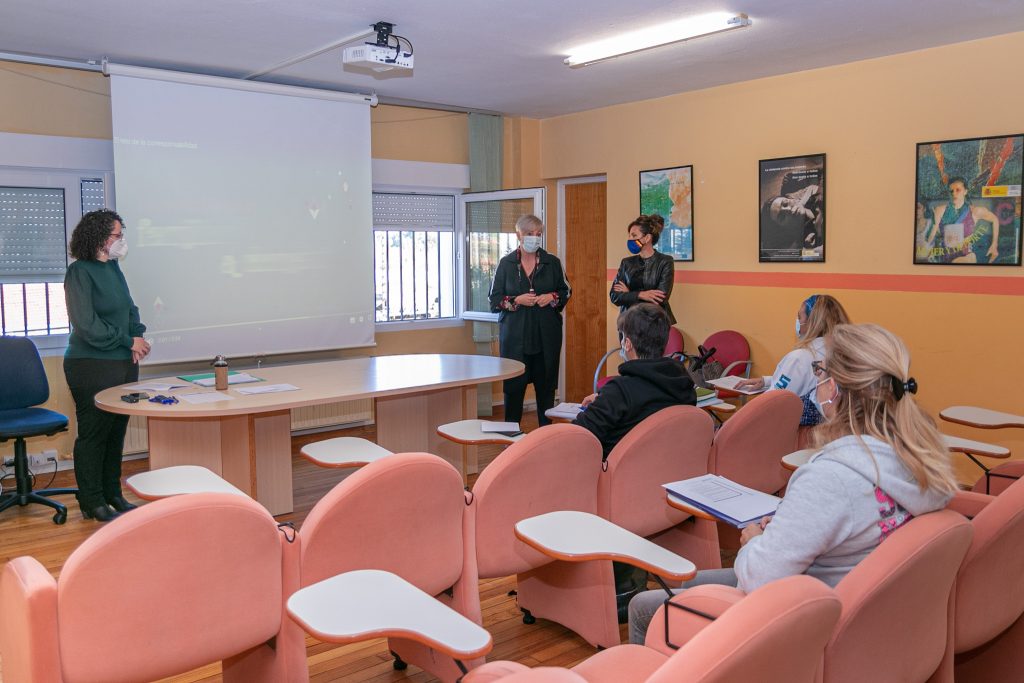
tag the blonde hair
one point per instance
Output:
(864, 360)
(528, 221)
(824, 315)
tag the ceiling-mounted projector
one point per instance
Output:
(376, 57)
(381, 55)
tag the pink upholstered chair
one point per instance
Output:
(896, 623)
(553, 468)
(175, 585)
(1000, 477)
(401, 514)
(988, 622)
(670, 445)
(748, 449)
(774, 635)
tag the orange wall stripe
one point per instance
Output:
(951, 284)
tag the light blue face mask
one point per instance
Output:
(798, 328)
(816, 402)
(531, 243)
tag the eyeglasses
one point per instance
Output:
(819, 368)
(116, 235)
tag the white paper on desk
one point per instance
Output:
(156, 386)
(730, 383)
(267, 389)
(499, 427)
(565, 411)
(725, 499)
(237, 378)
(205, 397)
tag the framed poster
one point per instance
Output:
(967, 202)
(669, 193)
(791, 223)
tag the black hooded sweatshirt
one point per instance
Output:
(643, 387)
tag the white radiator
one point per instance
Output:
(310, 417)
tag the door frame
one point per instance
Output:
(562, 250)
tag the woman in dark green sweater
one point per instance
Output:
(104, 350)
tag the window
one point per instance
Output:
(414, 257)
(34, 229)
(490, 219)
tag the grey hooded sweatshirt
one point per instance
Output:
(837, 509)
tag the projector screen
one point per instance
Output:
(247, 214)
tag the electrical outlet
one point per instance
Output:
(8, 462)
(37, 459)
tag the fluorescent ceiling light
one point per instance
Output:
(672, 32)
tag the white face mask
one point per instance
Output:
(531, 243)
(118, 249)
(818, 404)
(798, 328)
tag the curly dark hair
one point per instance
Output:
(91, 233)
(651, 225)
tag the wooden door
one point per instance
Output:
(586, 237)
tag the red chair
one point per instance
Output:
(675, 345)
(733, 352)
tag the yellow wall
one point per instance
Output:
(43, 100)
(51, 101)
(419, 134)
(866, 117)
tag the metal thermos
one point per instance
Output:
(220, 373)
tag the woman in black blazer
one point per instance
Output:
(648, 275)
(528, 293)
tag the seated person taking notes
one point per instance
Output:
(815, 320)
(647, 380)
(883, 462)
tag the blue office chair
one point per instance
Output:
(23, 385)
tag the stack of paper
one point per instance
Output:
(267, 389)
(158, 387)
(730, 383)
(503, 428)
(565, 411)
(707, 397)
(725, 499)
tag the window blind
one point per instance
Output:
(403, 211)
(33, 242)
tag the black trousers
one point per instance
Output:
(515, 388)
(100, 440)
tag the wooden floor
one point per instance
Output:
(30, 531)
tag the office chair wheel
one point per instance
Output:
(399, 664)
(528, 618)
(60, 516)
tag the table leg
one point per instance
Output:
(253, 452)
(408, 423)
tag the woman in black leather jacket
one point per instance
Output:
(648, 275)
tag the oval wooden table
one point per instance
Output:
(246, 438)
